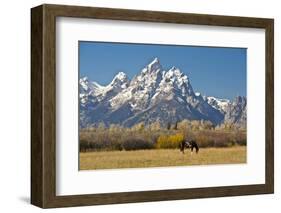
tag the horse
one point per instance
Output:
(189, 145)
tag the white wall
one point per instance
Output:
(15, 106)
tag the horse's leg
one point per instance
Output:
(182, 148)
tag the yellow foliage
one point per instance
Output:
(169, 141)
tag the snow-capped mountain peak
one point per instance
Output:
(89, 87)
(85, 78)
(119, 81)
(175, 75)
(120, 76)
(152, 95)
(84, 83)
(154, 62)
(218, 103)
(153, 66)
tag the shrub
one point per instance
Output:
(169, 141)
(116, 137)
(83, 145)
(136, 144)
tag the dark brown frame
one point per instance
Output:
(43, 105)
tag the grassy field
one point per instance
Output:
(160, 158)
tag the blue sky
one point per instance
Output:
(219, 72)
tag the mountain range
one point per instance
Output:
(154, 94)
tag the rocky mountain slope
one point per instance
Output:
(152, 95)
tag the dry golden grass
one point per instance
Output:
(160, 158)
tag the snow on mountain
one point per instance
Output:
(119, 82)
(141, 88)
(88, 91)
(173, 83)
(99, 92)
(218, 103)
(152, 95)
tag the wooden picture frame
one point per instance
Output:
(43, 105)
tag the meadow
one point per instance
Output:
(156, 145)
(161, 158)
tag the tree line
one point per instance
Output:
(157, 136)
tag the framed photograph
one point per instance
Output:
(137, 106)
